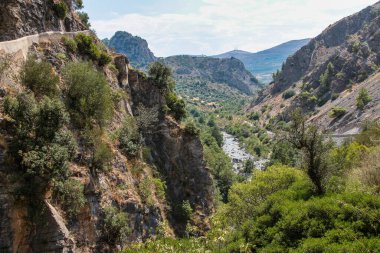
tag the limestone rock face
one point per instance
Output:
(177, 154)
(19, 18)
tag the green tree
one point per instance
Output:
(88, 95)
(161, 76)
(39, 77)
(363, 99)
(310, 141)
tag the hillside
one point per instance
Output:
(134, 47)
(90, 161)
(264, 63)
(328, 71)
(222, 71)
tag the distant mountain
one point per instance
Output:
(134, 47)
(229, 71)
(329, 72)
(264, 63)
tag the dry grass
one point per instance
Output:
(369, 170)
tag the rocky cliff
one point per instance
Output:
(328, 68)
(20, 18)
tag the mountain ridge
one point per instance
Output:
(264, 63)
(344, 56)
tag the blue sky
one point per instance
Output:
(215, 26)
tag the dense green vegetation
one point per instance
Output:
(326, 201)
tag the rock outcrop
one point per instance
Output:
(177, 154)
(135, 47)
(19, 18)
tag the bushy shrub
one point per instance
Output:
(89, 97)
(104, 59)
(84, 18)
(363, 99)
(337, 112)
(176, 106)
(161, 76)
(191, 128)
(40, 146)
(70, 194)
(60, 9)
(101, 152)
(183, 211)
(116, 226)
(70, 44)
(39, 77)
(87, 46)
(254, 116)
(129, 138)
(288, 94)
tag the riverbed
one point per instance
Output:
(238, 154)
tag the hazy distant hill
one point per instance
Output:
(262, 64)
(223, 71)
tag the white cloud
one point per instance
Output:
(222, 25)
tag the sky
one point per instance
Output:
(210, 27)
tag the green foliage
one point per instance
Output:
(101, 152)
(191, 128)
(145, 188)
(87, 46)
(254, 116)
(215, 132)
(60, 9)
(129, 138)
(184, 211)
(176, 106)
(283, 152)
(39, 77)
(324, 79)
(116, 226)
(40, 147)
(78, 4)
(309, 140)
(161, 76)
(84, 18)
(363, 99)
(104, 59)
(70, 193)
(288, 94)
(70, 44)
(89, 97)
(337, 112)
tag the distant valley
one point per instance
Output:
(264, 63)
